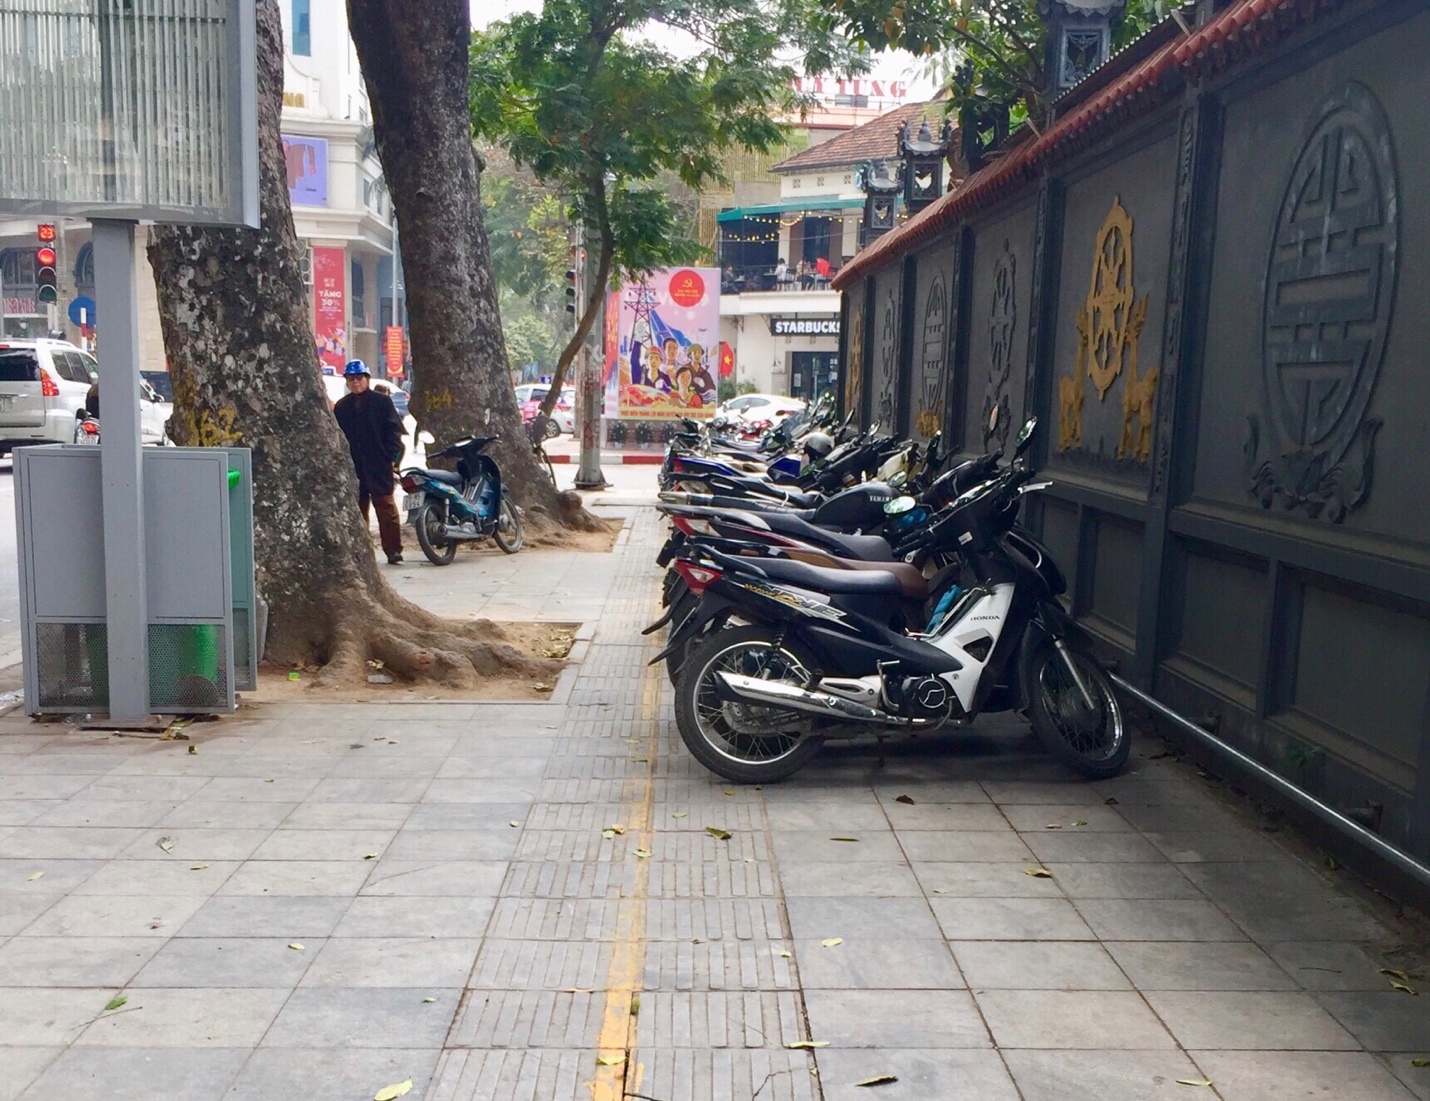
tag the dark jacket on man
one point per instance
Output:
(374, 432)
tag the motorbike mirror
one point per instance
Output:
(898, 506)
(426, 437)
(1025, 436)
(898, 478)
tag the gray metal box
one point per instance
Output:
(189, 579)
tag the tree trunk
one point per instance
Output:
(245, 373)
(414, 58)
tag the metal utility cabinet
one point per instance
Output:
(192, 593)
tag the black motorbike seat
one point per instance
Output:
(835, 582)
(866, 548)
(446, 476)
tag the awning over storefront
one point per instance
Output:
(788, 206)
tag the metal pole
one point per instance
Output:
(590, 395)
(121, 473)
(1303, 799)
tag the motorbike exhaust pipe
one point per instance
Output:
(772, 693)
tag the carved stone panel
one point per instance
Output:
(1328, 301)
(1002, 323)
(884, 376)
(854, 352)
(928, 382)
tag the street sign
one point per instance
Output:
(392, 342)
(82, 311)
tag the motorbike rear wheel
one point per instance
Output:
(508, 534)
(430, 535)
(1094, 743)
(744, 742)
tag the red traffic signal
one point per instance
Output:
(45, 289)
(46, 232)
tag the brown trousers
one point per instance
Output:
(389, 521)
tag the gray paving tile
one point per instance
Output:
(1282, 900)
(685, 1073)
(1327, 965)
(718, 1019)
(105, 812)
(558, 965)
(1155, 965)
(363, 1017)
(393, 961)
(1041, 818)
(21, 812)
(59, 875)
(402, 916)
(138, 1073)
(1249, 1020)
(713, 919)
(866, 879)
(984, 880)
(1123, 880)
(1346, 1076)
(480, 791)
(170, 1017)
(900, 918)
(817, 847)
(368, 790)
(877, 964)
(945, 816)
(346, 816)
(829, 818)
(1157, 919)
(983, 846)
(1414, 1078)
(319, 1073)
(1009, 919)
(144, 789)
(1116, 1075)
(68, 842)
(1098, 848)
(388, 762)
(922, 1019)
(157, 877)
(484, 816)
(116, 916)
(302, 844)
(298, 877)
(1384, 1020)
(218, 962)
(195, 844)
(1088, 1019)
(463, 767)
(22, 1066)
(949, 1075)
(1037, 965)
(1068, 794)
(477, 878)
(200, 814)
(266, 916)
(497, 844)
(73, 961)
(17, 911)
(257, 789)
(1216, 847)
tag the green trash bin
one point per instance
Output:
(184, 666)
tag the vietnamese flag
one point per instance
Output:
(727, 360)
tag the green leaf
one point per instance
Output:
(1038, 873)
(116, 1001)
(719, 834)
(1420, 1062)
(393, 1092)
(642, 854)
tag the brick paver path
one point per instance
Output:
(325, 900)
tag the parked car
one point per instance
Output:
(162, 383)
(759, 407)
(336, 387)
(563, 416)
(395, 392)
(43, 384)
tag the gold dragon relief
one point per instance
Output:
(1109, 330)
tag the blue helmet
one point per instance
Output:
(356, 367)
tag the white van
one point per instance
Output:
(43, 384)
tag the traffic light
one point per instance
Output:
(45, 290)
(571, 290)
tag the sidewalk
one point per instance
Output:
(325, 900)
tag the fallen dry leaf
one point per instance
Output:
(729, 791)
(854, 839)
(514, 824)
(830, 942)
(193, 749)
(805, 1045)
(1194, 1081)
(370, 856)
(610, 1060)
(719, 834)
(908, 799)
(1038, 873)
(36, 875)
(615, 828)
(394, 1091)
(1053, 826)
(1110, 801)
(198, 867)
(878, 1080)
(429, 999)
(296, 946)
(1420, 1062)
(1404, 988)
(1403, 976)
(678, 814)
(642, 854)
(166, 843)
(116, 1001)
(785, 954)
(1079, 822)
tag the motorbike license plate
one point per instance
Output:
(6, 401)
(412, 501)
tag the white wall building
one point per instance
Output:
(785, 333)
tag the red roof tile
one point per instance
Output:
(877, 139)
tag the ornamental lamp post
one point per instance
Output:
(1079, 38)
(924, 158)
(881, 185)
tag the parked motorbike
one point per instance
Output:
(448, 508)
(783, 655)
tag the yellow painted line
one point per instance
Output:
(616, 1042)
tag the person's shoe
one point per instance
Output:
(394, 559)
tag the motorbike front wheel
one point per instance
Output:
(1092, 741)
(508, 533)
(748, 743)
(431, 535)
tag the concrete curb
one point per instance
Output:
(617, 459)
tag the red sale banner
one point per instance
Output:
(330, 307)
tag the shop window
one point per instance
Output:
(302, 38)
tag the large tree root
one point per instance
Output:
(414, 645)
(569, 514)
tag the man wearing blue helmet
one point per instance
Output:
(374, 431)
